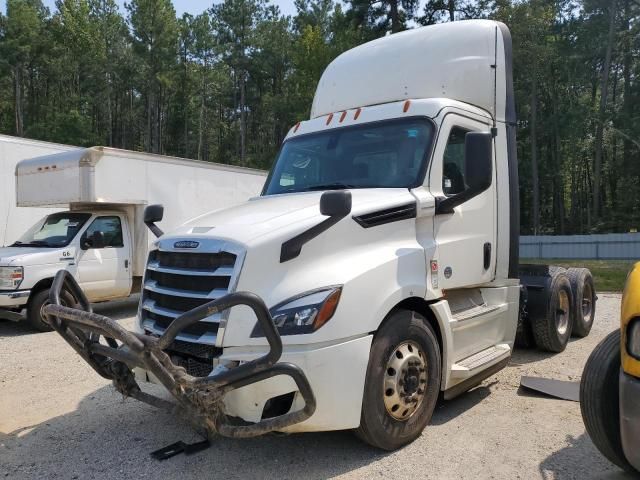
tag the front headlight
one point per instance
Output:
(633, 338)
(11, 277)
(304, 313)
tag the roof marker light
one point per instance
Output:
(295, 129)
(355, 117)
(329, 118)
(407, 104)
(344, 114)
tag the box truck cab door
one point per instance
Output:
(466, 235)
(104, 266)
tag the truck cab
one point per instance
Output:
(377, 270)
(96, 247)
(384, 242)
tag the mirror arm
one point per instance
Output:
(154, 229)
(445, 205)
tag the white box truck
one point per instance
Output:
(100, 237)
(377, 270)
(14, 220)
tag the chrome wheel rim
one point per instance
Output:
(587, 303)
(562, 312)
(405, 380)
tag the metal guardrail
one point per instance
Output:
(611, 246)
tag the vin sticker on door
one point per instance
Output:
(434, 274)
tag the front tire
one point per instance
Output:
(599, 399)
(35, 317)
(403, 381)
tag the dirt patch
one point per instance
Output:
(58, 419)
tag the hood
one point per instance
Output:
(248, 222)
(21, 256)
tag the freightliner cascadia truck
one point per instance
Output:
(377, 270)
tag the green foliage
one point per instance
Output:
(226, 85)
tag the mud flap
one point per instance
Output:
(113, 352)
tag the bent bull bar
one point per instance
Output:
(200, 397)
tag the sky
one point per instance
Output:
(190, 6)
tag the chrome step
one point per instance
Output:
(469, 366)
(477, 311)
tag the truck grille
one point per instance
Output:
(196, 358)
(176, 282)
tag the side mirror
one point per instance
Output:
(96, 240)
(336, 203)
(478, 160)
(152, 214)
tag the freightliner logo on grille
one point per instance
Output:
(186, 244)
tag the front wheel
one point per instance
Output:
(35, 316)
(403, 381)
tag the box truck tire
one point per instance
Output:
(403, 381)
(38, 300)
(552, 332)
(599, 399)
(584, 300)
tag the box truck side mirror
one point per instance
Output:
(478, 160)
(152, 214)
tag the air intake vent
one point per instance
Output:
(389, 215)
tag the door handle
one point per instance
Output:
(126, 264)
(487, 255)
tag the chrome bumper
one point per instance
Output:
(14, 298)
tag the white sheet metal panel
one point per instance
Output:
(14, 221)
(452, 60)
(95, 176)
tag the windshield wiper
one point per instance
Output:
(33, 243)
(329, 186)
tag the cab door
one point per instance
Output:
(466, 236)
(104, 271)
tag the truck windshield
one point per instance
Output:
(389, 154)
(53, 231)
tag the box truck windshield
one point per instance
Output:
(387, 154)
(53, 231)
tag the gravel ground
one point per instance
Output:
(58, 419)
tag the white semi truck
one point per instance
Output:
(100, 236)
(377, 270)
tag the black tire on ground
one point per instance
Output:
(555, 269)
(599, 396)
(584, 300)
(34, 308)
(377, 427)
(552, 332)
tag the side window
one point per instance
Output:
(453, 166)
(110, 227)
